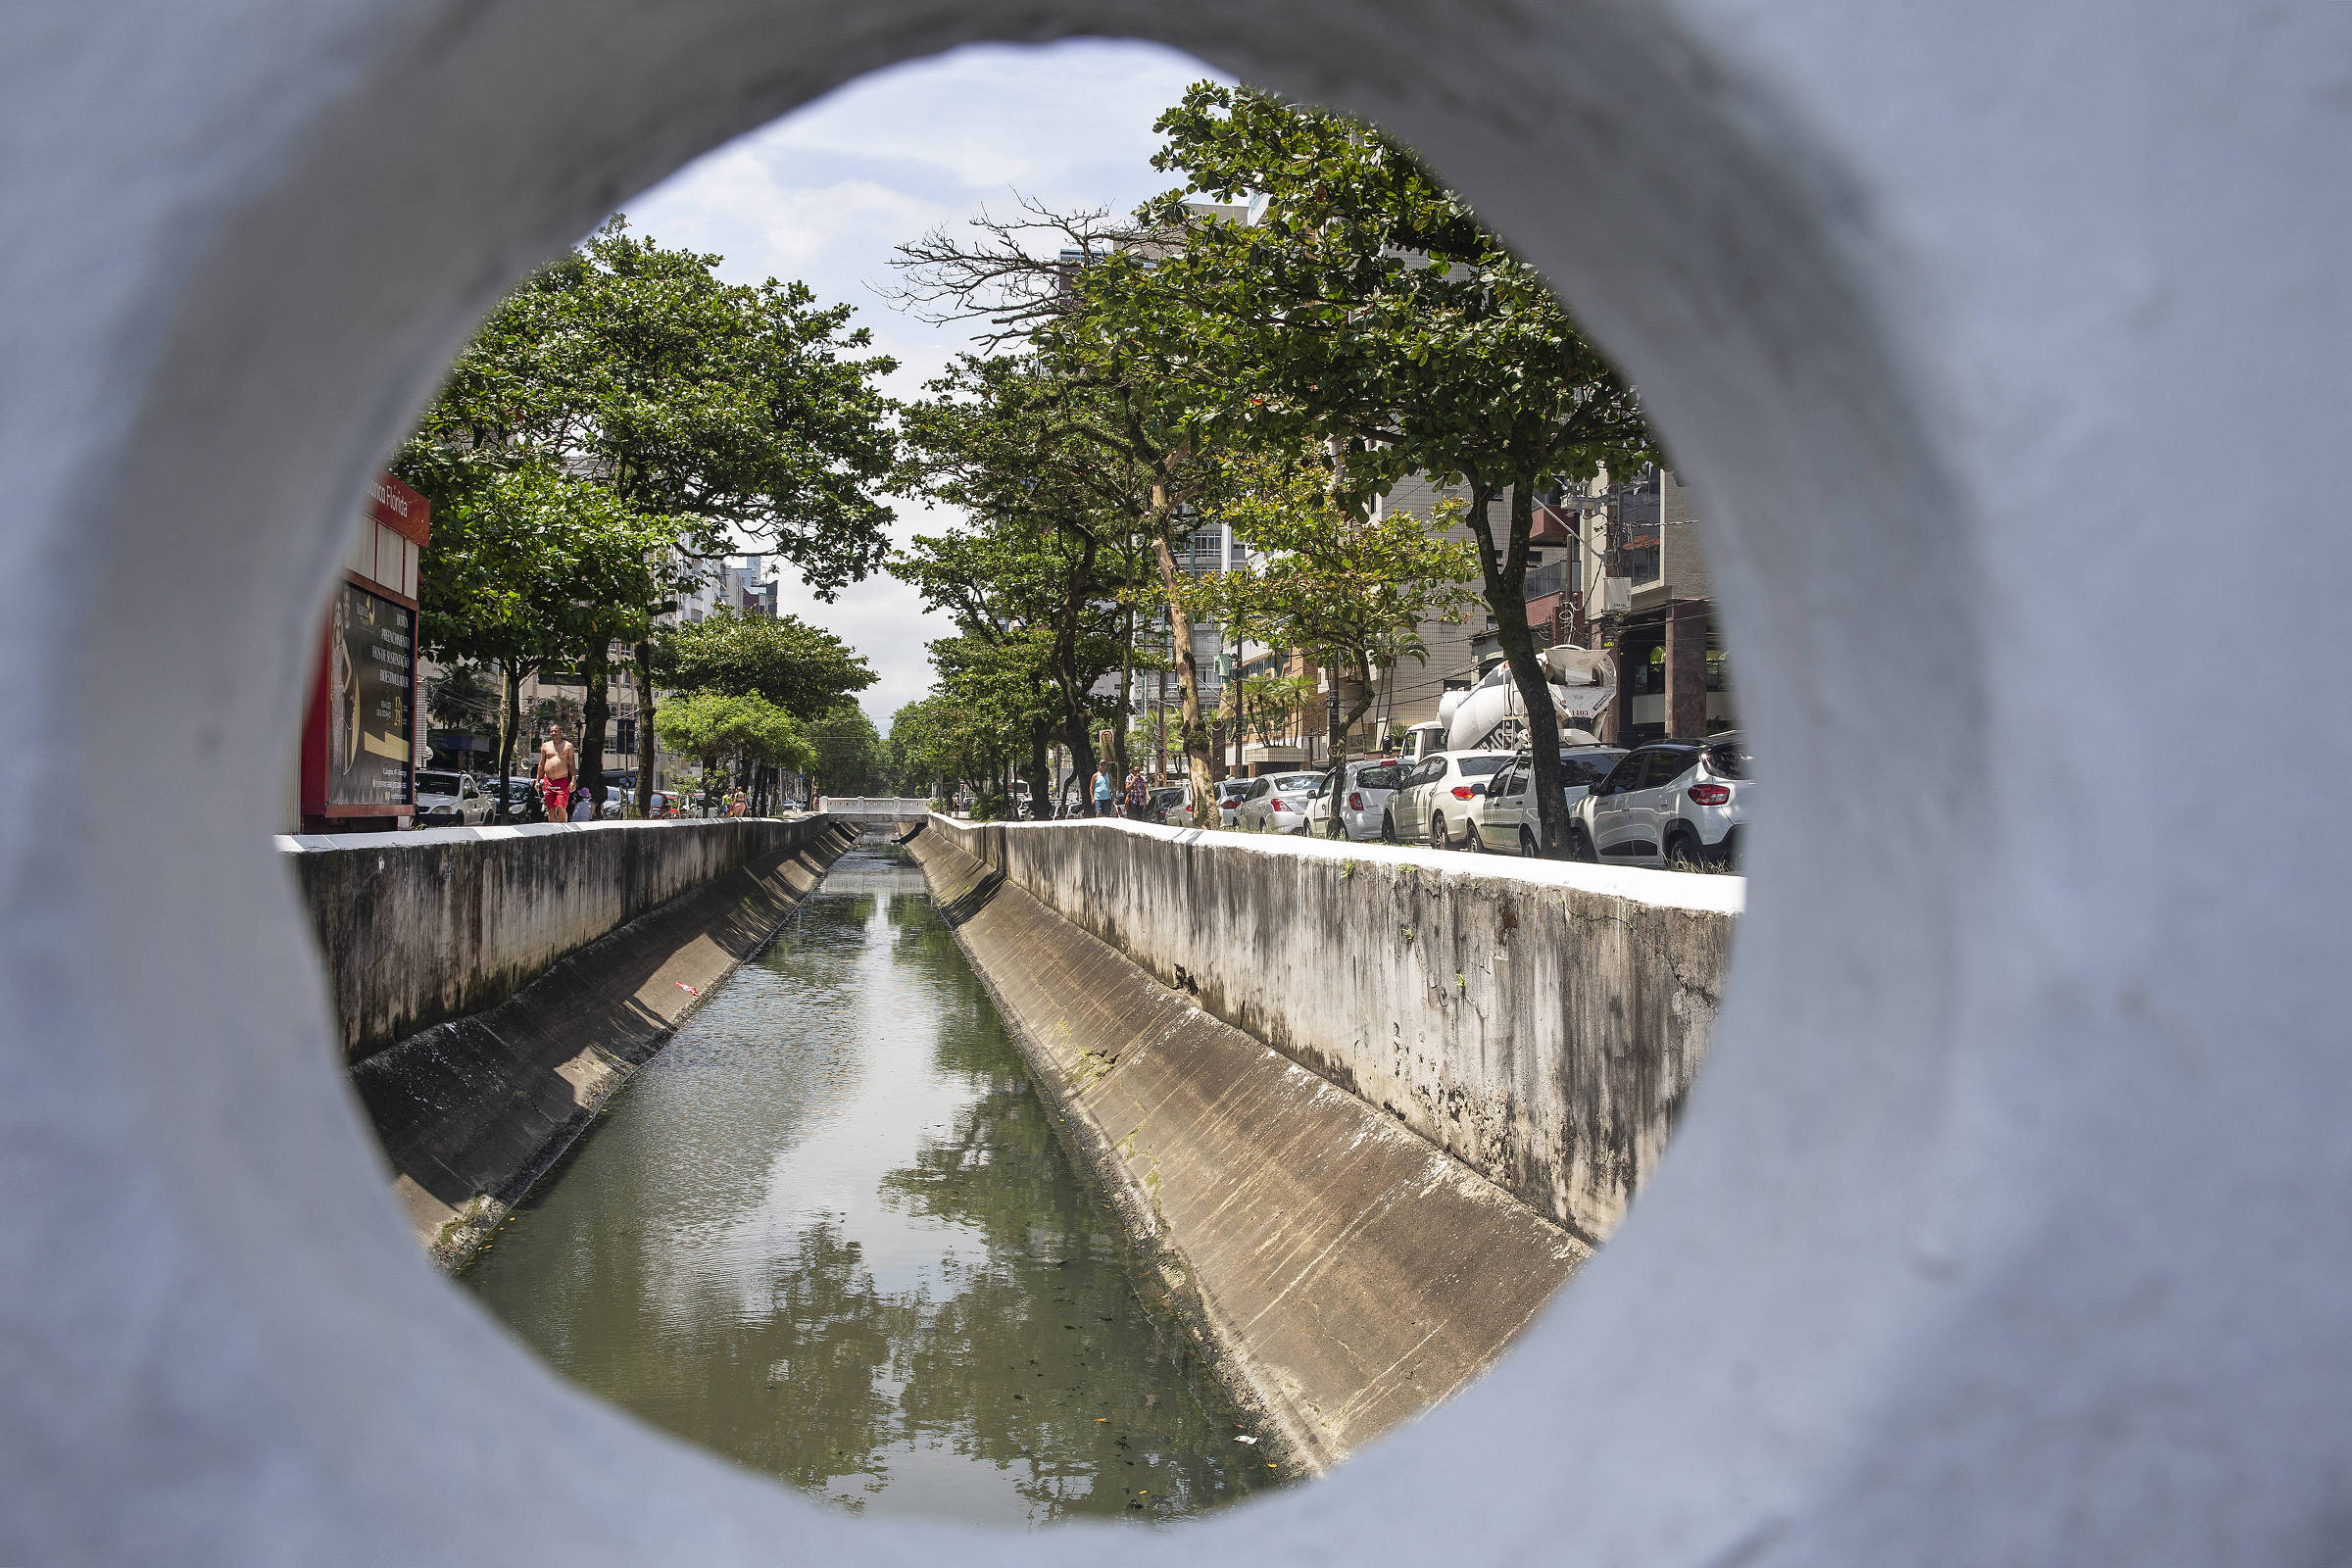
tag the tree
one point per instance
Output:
(528, 567)
(1364, 306)
(1004, 703)
(701, 410)
(1118, 401)
(1348, 589)
(1047, 564)
(712, 725)
(931, 744)
(804, 669)
(847, 756)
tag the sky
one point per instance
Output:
(825, 194)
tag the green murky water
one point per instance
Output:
(828, 1234)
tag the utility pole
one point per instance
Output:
(1612, 618)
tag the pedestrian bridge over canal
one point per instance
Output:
(872, 812)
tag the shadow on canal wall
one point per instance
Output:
(471, 1110)
(1341, 1273)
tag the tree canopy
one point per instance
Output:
(804, 669)
(622, 417)
(1360, 305)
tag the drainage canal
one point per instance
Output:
(828, 1234)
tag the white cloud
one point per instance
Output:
(993, 114)
(824, 195)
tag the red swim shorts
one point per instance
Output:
(557, 792)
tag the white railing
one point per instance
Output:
(903, 806)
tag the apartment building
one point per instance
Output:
(1673, 671)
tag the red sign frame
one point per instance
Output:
(409, 515)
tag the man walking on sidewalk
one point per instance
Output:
(559, 769)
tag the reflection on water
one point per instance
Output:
(829, 1235)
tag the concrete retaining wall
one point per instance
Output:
(1540, 1022)
(472, 1111)
(1341, 1273)
(417, 928)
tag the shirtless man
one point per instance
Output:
(558, 763)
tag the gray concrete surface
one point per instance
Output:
(1341, 1273)
(2005, 1224)
(472, 1110)
(1540, 1022)
(417, 928)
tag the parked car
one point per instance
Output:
(1434, 803)
(1277, 803)
(1669, 802)
(1229, 801)
(1505, 820)
(522, 800)
(1163, 800)
(1357, 807)
(451, 800)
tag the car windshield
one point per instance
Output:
(438, 783)
(1293, 783)
(1379, 777)
(1728, 760)
(1481, 766)
(1587, 768)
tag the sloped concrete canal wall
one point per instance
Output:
(1341, 1273)
(1540, 1022)
(580, 949)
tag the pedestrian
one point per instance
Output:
(559, 772)
(1139, 797)
(1103, 790)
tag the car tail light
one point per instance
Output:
(1280, 805)
(1356, 800)
(1710, 793)
(1463, 792)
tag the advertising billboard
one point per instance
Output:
(371, 699)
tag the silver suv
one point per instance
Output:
(1669, 802)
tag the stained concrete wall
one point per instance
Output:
(417, 928)
(1341, 1274)
(472, 1111)
(1538, 1022)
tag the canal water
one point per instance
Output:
(829, 1235)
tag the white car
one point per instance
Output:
(1504, 822)
(1277, 803)
(1357, 807)
(1669, 802)
(1433, 803)
(450, 799)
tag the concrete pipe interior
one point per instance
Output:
(1934, 1274)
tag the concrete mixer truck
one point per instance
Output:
(1491, 716)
